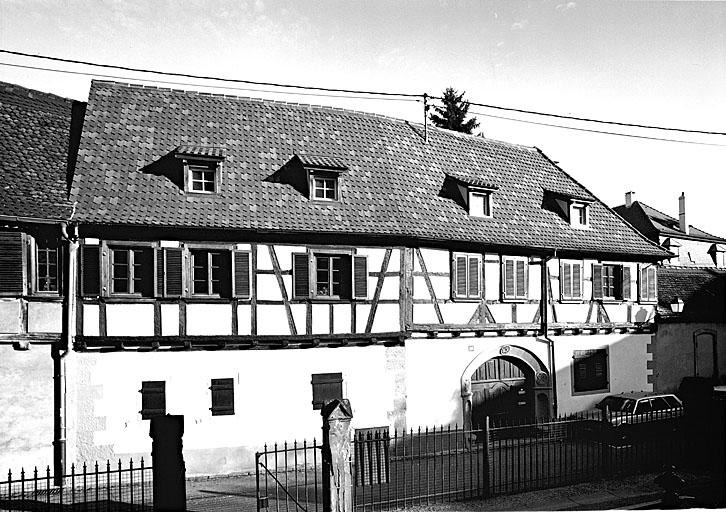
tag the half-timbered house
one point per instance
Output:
(240, 261)
(39, 135)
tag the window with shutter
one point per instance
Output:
(648, 288)
(608, 281)
(173, 272)
(326, 387)
(515, 277)
(360, 277)
(590, 370)
(11, 263)
(222, 397)
(466, 283)
(577, 280)
(47, 266)
(211, 273)
(131, 271)
(625, 294)
(300, 276)
(241, 273)
(571, 280)
(153, 398)
(90, 270)
(566, 280)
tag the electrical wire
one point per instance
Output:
(599, 131)
(226, 87)
(203, 77)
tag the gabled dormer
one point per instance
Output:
(323, 176)
(574, 209)
(202, 168)
(474, 194)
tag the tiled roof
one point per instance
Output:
(392, 188)
(702, 290)
(322, 162)
(204, 151)
(35, 130)
(471, 179)
(662, 224)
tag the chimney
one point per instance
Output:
(682, 222)
(629, 198)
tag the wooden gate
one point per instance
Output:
(503, 389)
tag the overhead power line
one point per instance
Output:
(205, 86)
(387, 95)
(205, 77)
(589, 130)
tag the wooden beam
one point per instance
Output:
(283, 290)
(430, 287)
(379, 287)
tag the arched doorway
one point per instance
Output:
(503, 389)
(505, 383)
(705, 356)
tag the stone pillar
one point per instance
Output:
(337, 448)
(168, 462)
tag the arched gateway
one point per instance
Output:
(505, 383)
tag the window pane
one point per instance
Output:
(200, 272)
(215, 259)
(335, 275)
(322, 275)
(120, 270)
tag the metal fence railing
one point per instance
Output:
(425, 466)
(97, 487)
(289, 477)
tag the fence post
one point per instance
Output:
(487, 458)
(168, 468)
(337, 477)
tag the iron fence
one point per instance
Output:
(426, 466)
(289, 477)
(100, 487)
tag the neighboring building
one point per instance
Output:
(691, 333)
(691, 246)
(39, 136)
(243, 260)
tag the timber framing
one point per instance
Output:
(558, 329)
(252, 342)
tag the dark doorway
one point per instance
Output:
(503, 389)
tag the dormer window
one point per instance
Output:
(202, 168)
(480, 203)
(324, 187)
(579, 214)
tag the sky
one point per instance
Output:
(656, 63)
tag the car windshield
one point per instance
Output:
(616, 404)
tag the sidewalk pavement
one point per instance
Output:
(237, 493)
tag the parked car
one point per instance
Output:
(629, 414)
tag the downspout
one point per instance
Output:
(544, 311)
(60, 350)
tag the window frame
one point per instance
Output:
(503, 278)
(355, 293)
(333, 179)
(586, 354)
(617, 285)
(110, 249)
(488, 206)
(192, 165)
(55, 247)
(572, 297)
(643, 296)
(225, 276)
(578, 208)
(454, 276)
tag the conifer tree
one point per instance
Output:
(452, 115)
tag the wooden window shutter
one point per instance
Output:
(159, 255)
(521, 279)
(576, 280)
(566, 280)
(509, 279)
(326, 386)
(474, 267)
(173, 272)
(153, 398)
(241, 263)
(91, 270)
(300, 275)
(652, 283)
(222, 396)
(11, 262)
(460, 267)
(596, 281)
(626, 282)
(360, 277)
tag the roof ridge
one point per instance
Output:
(641, 204)
(27, 92)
